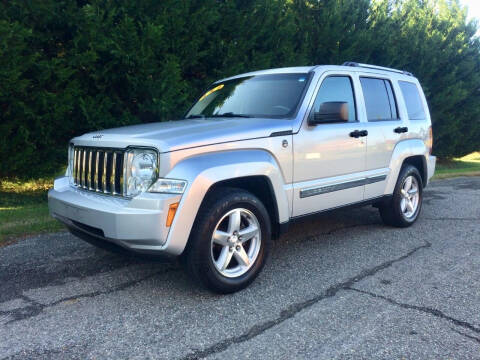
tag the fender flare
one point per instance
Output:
(204, 170)
(404, 149)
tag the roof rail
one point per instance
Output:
(367, 66)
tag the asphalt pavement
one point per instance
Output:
(339, 286)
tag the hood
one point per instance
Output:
(183, 134)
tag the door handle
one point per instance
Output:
(359, 133)
(355, 134)
(400, 130)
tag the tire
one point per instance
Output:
(398, 211)
(218, 262)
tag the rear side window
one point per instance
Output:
(379, 99)
(413, 100)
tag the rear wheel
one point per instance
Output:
(229, 241)
(404, 207)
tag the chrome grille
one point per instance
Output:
(98, 169)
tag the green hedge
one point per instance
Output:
(68, 67)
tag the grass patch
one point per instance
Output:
(24, 209)
(468, 165)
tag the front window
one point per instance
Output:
(270, 96)
(337, 89)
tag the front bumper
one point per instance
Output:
(138, 224)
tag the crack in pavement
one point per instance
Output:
(66, 352)
(16, 278)
(435, 312)
(36, 307)
(295, 308)
(466, 335)
(27, 299)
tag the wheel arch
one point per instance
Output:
(420, 163)
(410, 151)
(245, 169)
(261, 187)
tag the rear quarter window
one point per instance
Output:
(413, 101)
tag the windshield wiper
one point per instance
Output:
(231, 114)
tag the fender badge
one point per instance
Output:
(99, 136)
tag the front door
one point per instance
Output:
(329, 158)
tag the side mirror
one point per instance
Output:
(330, 112)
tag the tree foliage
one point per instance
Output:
(72, 66)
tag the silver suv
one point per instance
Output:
(254, 153)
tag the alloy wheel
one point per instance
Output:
(410, 197)
(236, 242)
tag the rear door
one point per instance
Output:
(385, 128)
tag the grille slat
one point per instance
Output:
(99, 169)
(96, 175)
(122, 173)
(104, 173)
(74, 164)
(89, 174)
(79, 154)
(112, 174)
(77, 166)
(84, 167)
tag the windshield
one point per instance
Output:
(270, 96)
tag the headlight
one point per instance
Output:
(141, 170)
(168, 186)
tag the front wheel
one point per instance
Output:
(229, 241)
(404, 207)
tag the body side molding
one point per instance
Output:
(340, 186)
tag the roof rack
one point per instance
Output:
(367, 66)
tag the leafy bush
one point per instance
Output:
(68, 67)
